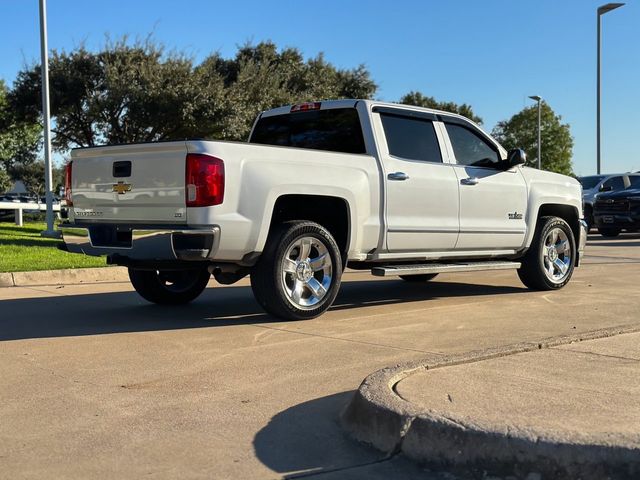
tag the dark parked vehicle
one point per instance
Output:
(594, 185)
(618, 210)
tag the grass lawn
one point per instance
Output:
(23, 249)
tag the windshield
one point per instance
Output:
(335, 129)
(590, 182)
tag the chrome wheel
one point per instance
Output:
(307, 272)
(556, 255)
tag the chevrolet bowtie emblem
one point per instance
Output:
(121, 188)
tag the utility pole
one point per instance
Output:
(44, 54)
(538, 98)
(601, 11)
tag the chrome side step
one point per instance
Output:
(390, 270)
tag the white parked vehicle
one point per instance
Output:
(395, 189)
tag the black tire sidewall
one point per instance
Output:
(266, 277)
(148, 285)
(532, 272)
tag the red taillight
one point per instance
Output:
(204, 180)
(67, 184)
(305, 107)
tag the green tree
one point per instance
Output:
(521, 131)
(420, 100)
(19, 140)
(138, 92)
(125, 93)
(5, 181)
(260, 77)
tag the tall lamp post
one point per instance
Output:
(44, 54)
(538, 98)
(601, 11)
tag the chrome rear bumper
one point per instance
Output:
(140, 243)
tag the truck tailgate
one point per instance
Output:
(142, 183)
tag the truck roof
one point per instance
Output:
(351, 103)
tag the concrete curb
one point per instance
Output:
(64, 277)
(377, 415)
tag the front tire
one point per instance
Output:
(549, 262)
(609, 232)
(169, 287)
(298, 274)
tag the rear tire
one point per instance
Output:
(298, 274)
(549, 262)
(422, 278)
(609, 232)
(169, 287)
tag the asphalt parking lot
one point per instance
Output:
(95, 382)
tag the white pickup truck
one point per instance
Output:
(395, 189)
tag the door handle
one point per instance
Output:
(469, 181)
(398, 176)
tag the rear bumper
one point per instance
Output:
(582, 241)
(142, 243)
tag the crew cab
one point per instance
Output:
(394, 189)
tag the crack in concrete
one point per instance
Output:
(617, 357)
(52, 372)
(361, 342)
(340, 469)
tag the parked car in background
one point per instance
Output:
(593, 185)
(615, 211)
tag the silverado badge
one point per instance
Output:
(121, 188)
(515, 216)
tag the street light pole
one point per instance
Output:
(44, 54)
(601, 11)
(538, 98)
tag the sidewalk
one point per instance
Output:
(564, 409)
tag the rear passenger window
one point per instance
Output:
(411, 138)
(634, 181)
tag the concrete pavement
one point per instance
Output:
(95, 382)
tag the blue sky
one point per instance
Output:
(491, 54)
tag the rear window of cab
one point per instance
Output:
(335, 130)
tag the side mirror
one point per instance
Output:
(517, 156)
(606, 188)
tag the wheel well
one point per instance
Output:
(330, 212)
(568, 213)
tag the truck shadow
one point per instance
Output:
(96, 314)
